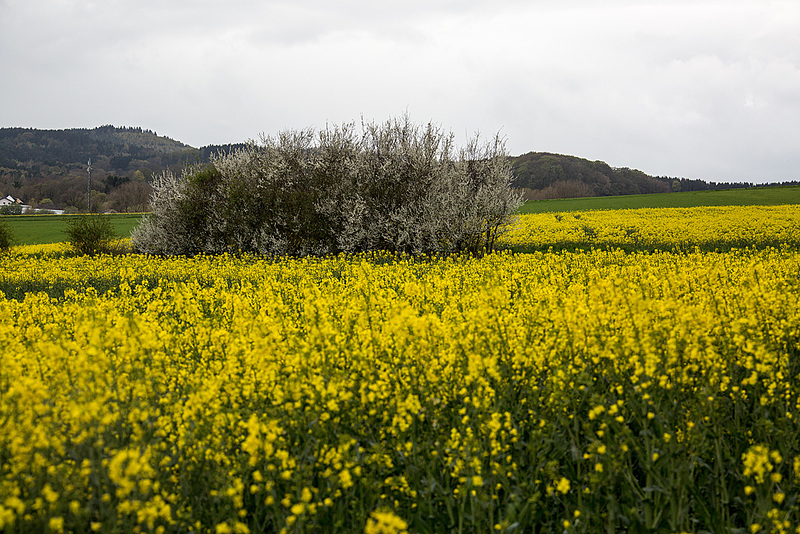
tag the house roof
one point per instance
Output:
(9, 200)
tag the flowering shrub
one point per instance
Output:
(397, 187)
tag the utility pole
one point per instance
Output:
(89, 188)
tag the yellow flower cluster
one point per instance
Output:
(596, 391)
(385, 522)
(758, 462)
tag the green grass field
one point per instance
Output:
(761, 196)
(41, 229)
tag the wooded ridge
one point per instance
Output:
(543, 175)
(48, 168)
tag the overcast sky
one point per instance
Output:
(691, 88)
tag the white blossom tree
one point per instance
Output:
(393, 186)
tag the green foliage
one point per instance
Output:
(11, 209)
(91, 234)
(6, 238)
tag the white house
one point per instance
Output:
(9, 200)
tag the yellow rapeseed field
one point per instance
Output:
(661, 228)
(594, 390)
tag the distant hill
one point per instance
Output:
(542, 175)
(48, 168)
(21, 147)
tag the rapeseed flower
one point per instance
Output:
(206, 393)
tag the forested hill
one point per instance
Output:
(47, 168)
(26, 147)
(543, 175)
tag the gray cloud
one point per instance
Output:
(700, 89)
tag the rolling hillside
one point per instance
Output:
(548, 176)
(48, 168)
